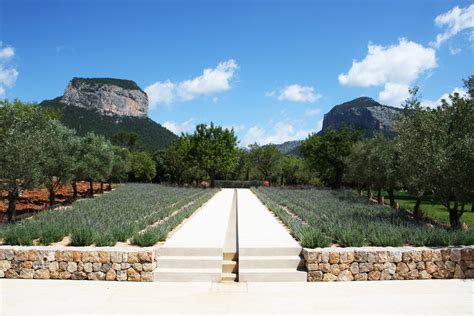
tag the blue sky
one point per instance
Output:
(270, 69)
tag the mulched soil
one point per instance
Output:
(37, 200)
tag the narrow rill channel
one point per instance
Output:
(230, 262)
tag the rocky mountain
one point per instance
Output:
(107, 95)
(362, 113)
(106, 106)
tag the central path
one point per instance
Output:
(233, 236)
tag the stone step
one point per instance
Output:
(270, 251)
(230, 256)
(229, 277)
(189, 251)
(229, 266)
(191, 262)
(186, 275)
(272, 275)
(271, 262)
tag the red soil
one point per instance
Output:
(36, 200)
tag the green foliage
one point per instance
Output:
(349, 221)
(125, 84)
(326, 153)
(95, 159)
(142, 166)
(120, 164)
(83, 121)
(213, 149)
(116, 216)
(312, 238)
(129, 140)
(294, 171)
(266, 159)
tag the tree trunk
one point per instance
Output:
(101, 187)
(417, 211)
(213, 179)
(11, 212)
(472, 207)
(74, 190)
(247, 174)
(52, 198)
(281, 180)
(369, 193)
(110, 185)
(91, 188)
(454, 217)
(379, 196)
(391, 196)
(338, 183)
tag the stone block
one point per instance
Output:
(133, 275)
(5, 265)
(41, 274)
(334, 269)
(64, 275)
(148, 267)
(324, 267)
(111, 275)
(121, 275)
(146, 256)
(394, 256)
(354, 268)
(365, 267)
(346, 257)
(360, 277)
(88, 267)
(425, 275)
(328, 277)
(360, 256)
(345, 276)
(96, 266)
(427, 255)
(104, 257)
(90, 256)
(95, 276)
(33, 255)
(77, 256)
(106, 267)
(27, 274)
(133, 257)
(315, 276)
(21, 255)
(147, 277)
(333, 257)
(116, 257)
(78, 275)
(71, 267)
(11, 274)
(374, 275)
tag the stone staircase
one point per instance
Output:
(239, 242)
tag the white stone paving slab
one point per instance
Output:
(207, 229)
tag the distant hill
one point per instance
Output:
(290, 147)
(362, 113)
(84, 120)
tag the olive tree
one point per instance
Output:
(214, 149)
(266, 159)
(59, 160)
(21, 149)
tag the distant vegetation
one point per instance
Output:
(152, 135)
(125, 84)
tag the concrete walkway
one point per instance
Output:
(207, 229)
(258, 228)
(55, 297)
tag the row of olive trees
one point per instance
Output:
(37, 150)
(433, 155)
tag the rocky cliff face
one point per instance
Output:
(362, 113)
(109, 96)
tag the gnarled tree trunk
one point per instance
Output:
(74, 190)
(91, 188)
(11, 211)
(52, 198)
(417, 214)
(391, 196)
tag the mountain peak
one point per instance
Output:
(107, 95)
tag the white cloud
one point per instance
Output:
(7, 52)
(394, 93)
(8, 73)
(295, 93)
(394, 66)
(212, 81)
(455, 20)
(312, 112)
(454, 50)
(183, 127)
(433, 104)
(280, 132)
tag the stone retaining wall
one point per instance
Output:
(78, 263)
(388, 263)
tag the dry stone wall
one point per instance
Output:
(78, 263)
(387, 263)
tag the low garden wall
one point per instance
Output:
(388, 263)
(77, 263)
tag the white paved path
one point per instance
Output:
(207, 229)
(258, 228)
(56, 297)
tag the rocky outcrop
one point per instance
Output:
(109, 96)
(362, 113)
